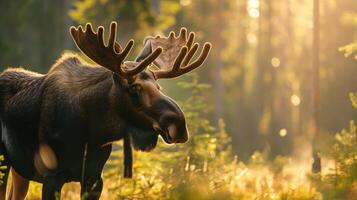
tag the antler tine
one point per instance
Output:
(190, 54)
(112, 34)
(178, 52)
(89, 29)
(199, 61)
(175, 71)
(144, 63)
(78, 35)
(100, 32)
(178, 61)
(127, 49)
(171, 35)
(191, 38)
(181, 64)
(183, 33)
(113, 44)
(110, 56)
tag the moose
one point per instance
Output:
(59, 126)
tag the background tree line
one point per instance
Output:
(260, 67)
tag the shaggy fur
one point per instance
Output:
(72, 105)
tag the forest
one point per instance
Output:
(271, 113)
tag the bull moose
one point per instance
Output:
(58, 127)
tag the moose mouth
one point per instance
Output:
(167, 134)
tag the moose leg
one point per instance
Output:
(19, 186)
(45, 157)
(92, 183)
(51, 188)
(91, 189)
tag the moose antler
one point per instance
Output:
(112, 55)
(177, 53)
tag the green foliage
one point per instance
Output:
(350, 50)
(2, 167)
(137, 19)
(143, 13)
(203, 168)
(341, 182)
(263, 49)
(33, 33)
(170, 168)
(353, 97)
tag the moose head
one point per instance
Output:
(147, 111)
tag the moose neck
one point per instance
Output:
(100, 104)
(107, 109)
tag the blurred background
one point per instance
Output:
(258, 79)
(260, 67)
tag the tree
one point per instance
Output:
(35, 35)
(136, 19)
(316, 165)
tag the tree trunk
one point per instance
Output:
(218, 86)
(316, 166)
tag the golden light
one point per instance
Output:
(275, 62)
(283, 132)
(253, 13)
(253, 3)
(252, 38)
(295, 100)
(185, 2)
(253, 8)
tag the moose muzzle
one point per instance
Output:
(172, 127)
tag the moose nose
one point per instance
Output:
(177, 135)
(171, 121)
(172, 131)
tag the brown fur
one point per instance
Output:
(73, 104)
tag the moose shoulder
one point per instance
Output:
(52, 122)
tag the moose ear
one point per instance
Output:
(145, 52)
